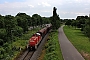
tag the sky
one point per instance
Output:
(66, 9)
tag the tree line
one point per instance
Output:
(82, 22)
(18, 25)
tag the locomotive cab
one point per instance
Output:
(34, 41)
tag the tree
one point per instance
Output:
(87, 27)
(29, 21)
(2, 24)
(10, 23)
(36, 20)
(68, 22)
(81, 21)
(18, 31)
(73, 23)
(46, 20)
(2, 50)
(22, 21)
(55, 19)
(1, 42)
(3, 34)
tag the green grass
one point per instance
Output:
(78, 39)
(52, 48)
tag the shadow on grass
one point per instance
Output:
(80, 33)
(73, 28)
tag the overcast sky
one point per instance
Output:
(65, 8)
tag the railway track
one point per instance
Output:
(26, 55)
(33, 55)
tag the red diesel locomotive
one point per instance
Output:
(35, 40)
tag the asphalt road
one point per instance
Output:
(69, 52)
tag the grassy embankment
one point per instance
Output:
(79, 40)
(51, 50)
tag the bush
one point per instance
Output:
(3, 35)
(1, 42)
(51, 56)
(18, 31)
(51, 47)
(2, 50)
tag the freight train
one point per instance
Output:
(35, 40)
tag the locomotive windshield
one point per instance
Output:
(38, 33)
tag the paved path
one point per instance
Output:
(69, 52)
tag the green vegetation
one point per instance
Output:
(79, 40)
(82, 22)
(52, 48)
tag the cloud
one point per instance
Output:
(39, 4)
(31, 6)
(6, 2)
(45, 4)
